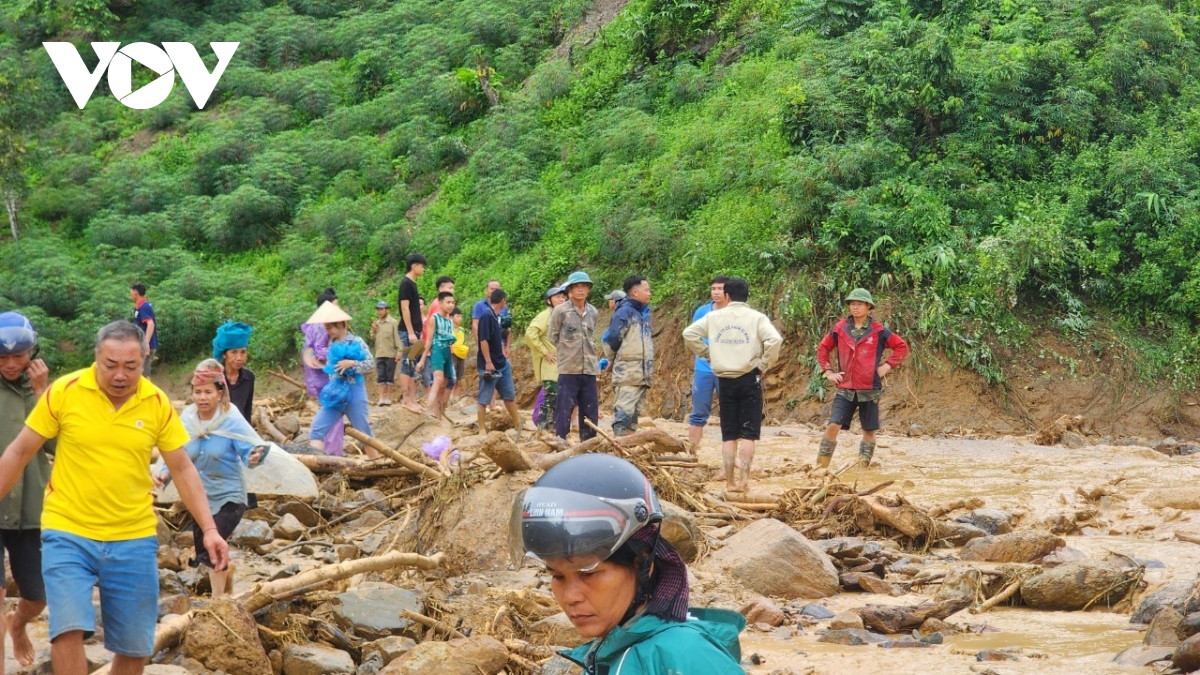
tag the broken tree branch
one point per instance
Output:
(395, 455)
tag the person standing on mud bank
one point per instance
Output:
(573, 333)
(704, 382)
(542, 351)
(345, 395)
(629, 339)
(742, 345)
(495, 370)
(98, 524)
(143, 316)
(385, 334)
(314, 356)
(410, 329)
(23, 379)
(860, 341)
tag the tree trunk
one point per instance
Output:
(10, 202)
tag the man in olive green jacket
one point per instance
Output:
(23, 379)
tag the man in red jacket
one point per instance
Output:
(860, 341)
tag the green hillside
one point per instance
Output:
(991, 168)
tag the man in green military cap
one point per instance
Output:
(860, 341)
(572, 331)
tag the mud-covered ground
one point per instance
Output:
(1099, 492)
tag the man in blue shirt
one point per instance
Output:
(704, 382)
(143, 316)
(495, 372)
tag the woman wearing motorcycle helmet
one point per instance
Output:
(593, 521)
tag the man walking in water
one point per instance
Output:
(860, 341)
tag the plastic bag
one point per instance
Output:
(336, 392)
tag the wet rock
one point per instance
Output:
(389, 648)
(1179, 496)
(210, 642)
(996, 655)
(845, 621)
(819, 612)
(842, 547)
(1173, 595)
(1142, 655)
(173, 604)
(1167, 446)
(991, 521)
(934, 638)
(168, 559)
(371, 664)
(251, 533)
(464, 656)
(1023, 546)
(169, 583)
(371, 543)
(868, 583)
(367, 520)
(1074, 585)
(1073, 440)
(771, 558)
(1163, 630)
(372, 611)
(958, 534)
(289, 527)
(1186, 449)
(679, 528)
(558, 665)
(1186, 656)
(346, 552)
(1063, 556)
(315, 660)
(288, 424)
(765, 611)
(1189, 626)
(301, 511)
(851, 637)
(556, 629)
(904, 643)
(932, 626)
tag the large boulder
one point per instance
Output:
(1140, 656)
(771, 558)
(679, 528)
(1077, 585)
(1181, 596)
(225, 637)
(316, 660)
(1023, 546)
(464, 656)
(372, 610)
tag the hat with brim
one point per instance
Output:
(615, 295)
(382, 304)
(553, 291)
(861, 295)
(577, 278)
(328, 313)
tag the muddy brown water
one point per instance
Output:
(1010, 473)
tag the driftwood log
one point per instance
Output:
(903, 618)
(499, 448)
(351, 467)
(650, 441)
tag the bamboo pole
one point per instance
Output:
(287, 379)
(396, 456)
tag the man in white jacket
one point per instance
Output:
(742, 345)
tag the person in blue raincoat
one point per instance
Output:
(593, 521)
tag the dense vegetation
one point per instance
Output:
(989, 166)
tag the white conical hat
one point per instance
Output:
(328, 313)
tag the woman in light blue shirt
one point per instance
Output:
(222, 443)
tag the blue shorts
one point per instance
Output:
(704, 385)
(502, 385)
(408, 367)
(127, 574)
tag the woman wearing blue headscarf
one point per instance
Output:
(230, 349)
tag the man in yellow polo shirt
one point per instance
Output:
(98, 524)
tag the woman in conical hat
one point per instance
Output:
(348, 359)
(314, 357)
